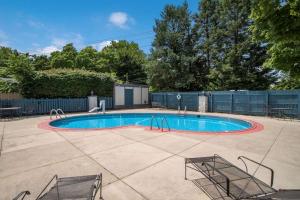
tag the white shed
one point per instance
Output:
(130, 95)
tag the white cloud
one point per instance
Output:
(99, 46)
(119, 19)
(47, 50)
(3, 38)
(58, 43)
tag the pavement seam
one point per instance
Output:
(143, 142)
(111, 148)
(276, 139)
(2, 138)
(278, 135)
(108, 149)
(41, 166)
(33, 147)
(134, 141)
(13, 137)
(141, 139)
(101, 165)
(153, 164)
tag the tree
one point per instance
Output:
(277, 23)
(40, 62)
(23, 73)
(287, 82)
(125, 60)
(237, 60)
(174, 64)
(206, 22)
(6, 54)
(65, 58)
(87, 59)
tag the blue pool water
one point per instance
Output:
(199, 123)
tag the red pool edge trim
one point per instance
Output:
(255, 127)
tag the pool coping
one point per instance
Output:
(255, 127)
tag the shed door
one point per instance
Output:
(128, 97)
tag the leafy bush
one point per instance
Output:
(9, 86)
(68, 83)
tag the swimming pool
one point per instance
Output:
(195, 123)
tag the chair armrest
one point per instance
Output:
(266, 167)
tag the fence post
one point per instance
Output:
(211, 102)
(267, 103)
(249, 105)
(166, 101)
(298, 105)
(231, 103)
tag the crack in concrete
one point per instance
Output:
(87, 155)
(2, 138)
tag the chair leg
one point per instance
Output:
(101, 198)
(185, 169)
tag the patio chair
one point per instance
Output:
(79, 187)
(223, 180)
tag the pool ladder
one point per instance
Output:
(58, 113)
(163, 120)
(179, 111)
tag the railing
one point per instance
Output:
(53, 111)
(164, 119)
(58, 113)
(151, 122)
(162, 122)
(266, 167)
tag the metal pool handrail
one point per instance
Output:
(151, 122)
(61, 111)
(164, 119)
(56, 112)
(53, 111)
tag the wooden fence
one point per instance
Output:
(43, 106)
(236, 102)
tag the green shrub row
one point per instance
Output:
(8, 86)
(67, 83)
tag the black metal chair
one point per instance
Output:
(223, 180)
(79, 187)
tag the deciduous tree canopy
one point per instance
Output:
(225, 45)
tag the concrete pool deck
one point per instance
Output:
(136, 163)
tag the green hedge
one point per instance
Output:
(67, 83)
(9, 86)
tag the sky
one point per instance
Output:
(43, 26)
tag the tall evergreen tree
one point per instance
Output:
(237, 60)
(206, 22)
(174, 64)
